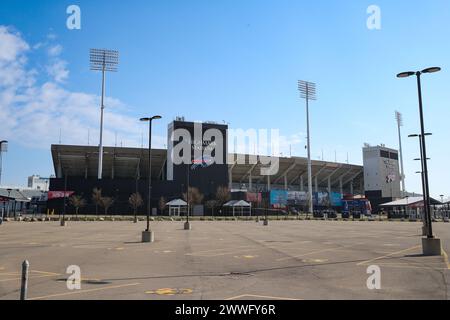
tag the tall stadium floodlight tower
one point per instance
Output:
(103, 60)
(308, 92)
(3, 148)
(399, 118)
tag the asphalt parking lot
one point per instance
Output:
(223, 260)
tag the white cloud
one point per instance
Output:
(32, 114)
(11, 45)
(58, 70)
(55, 50)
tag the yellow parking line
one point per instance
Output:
(46, 272)
(387, 255)
(30, 277)
(445, 258)
(83, 291)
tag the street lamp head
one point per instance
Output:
(431, 70)
(419, 135)
(150, 119)
(405, 74)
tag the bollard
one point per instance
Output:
(24, 284)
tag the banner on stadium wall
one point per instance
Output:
(255, 197)
(278, 198)
(59, 194)
(296, 198)
(321, 199)
(336, 199)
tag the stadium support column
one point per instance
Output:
(268, 183)
(351, 187)
(230, 176)
(250, 186)
(285, 182)
(341, 189)
(301, 183)
(329, 185)
(316, 185)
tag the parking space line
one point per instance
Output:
(261, 297)
(407, 266)
(84, 291)
(314, 252)
(445, 258)
(30, 277)
(223, 249)
(387, 255)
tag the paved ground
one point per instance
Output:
(223, 260)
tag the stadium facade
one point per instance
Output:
(125, 171)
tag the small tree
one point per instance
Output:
(211, 204)
(162, 204)
(195, 197)
(77, 202)
(97, 198)
(106, 203)
(223, 195)
(135, 201)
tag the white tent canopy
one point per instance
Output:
(176, 206)
(176, 203)
(240, 204)
(410, 201)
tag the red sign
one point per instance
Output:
(59, 194)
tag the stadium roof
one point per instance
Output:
(131, 163)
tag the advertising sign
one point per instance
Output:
(59, 194)
(254, 197)
(336, 199)
(296, 198)
(278, 198)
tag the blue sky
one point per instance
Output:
(232, 61)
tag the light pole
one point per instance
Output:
(425, 218)
(399, 118)
(3, 148)
(103, 60)
(9, 201)
(430, 247)
(187, 224)
(308, 92)
(63, 221)
(148, 235)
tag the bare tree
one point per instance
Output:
(195, 197)
(97, 198)
(77, 202)
(211, 204)
(135, 201)
(106, 203)
(162, 204)
(222, 195)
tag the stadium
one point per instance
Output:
(126, 171)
